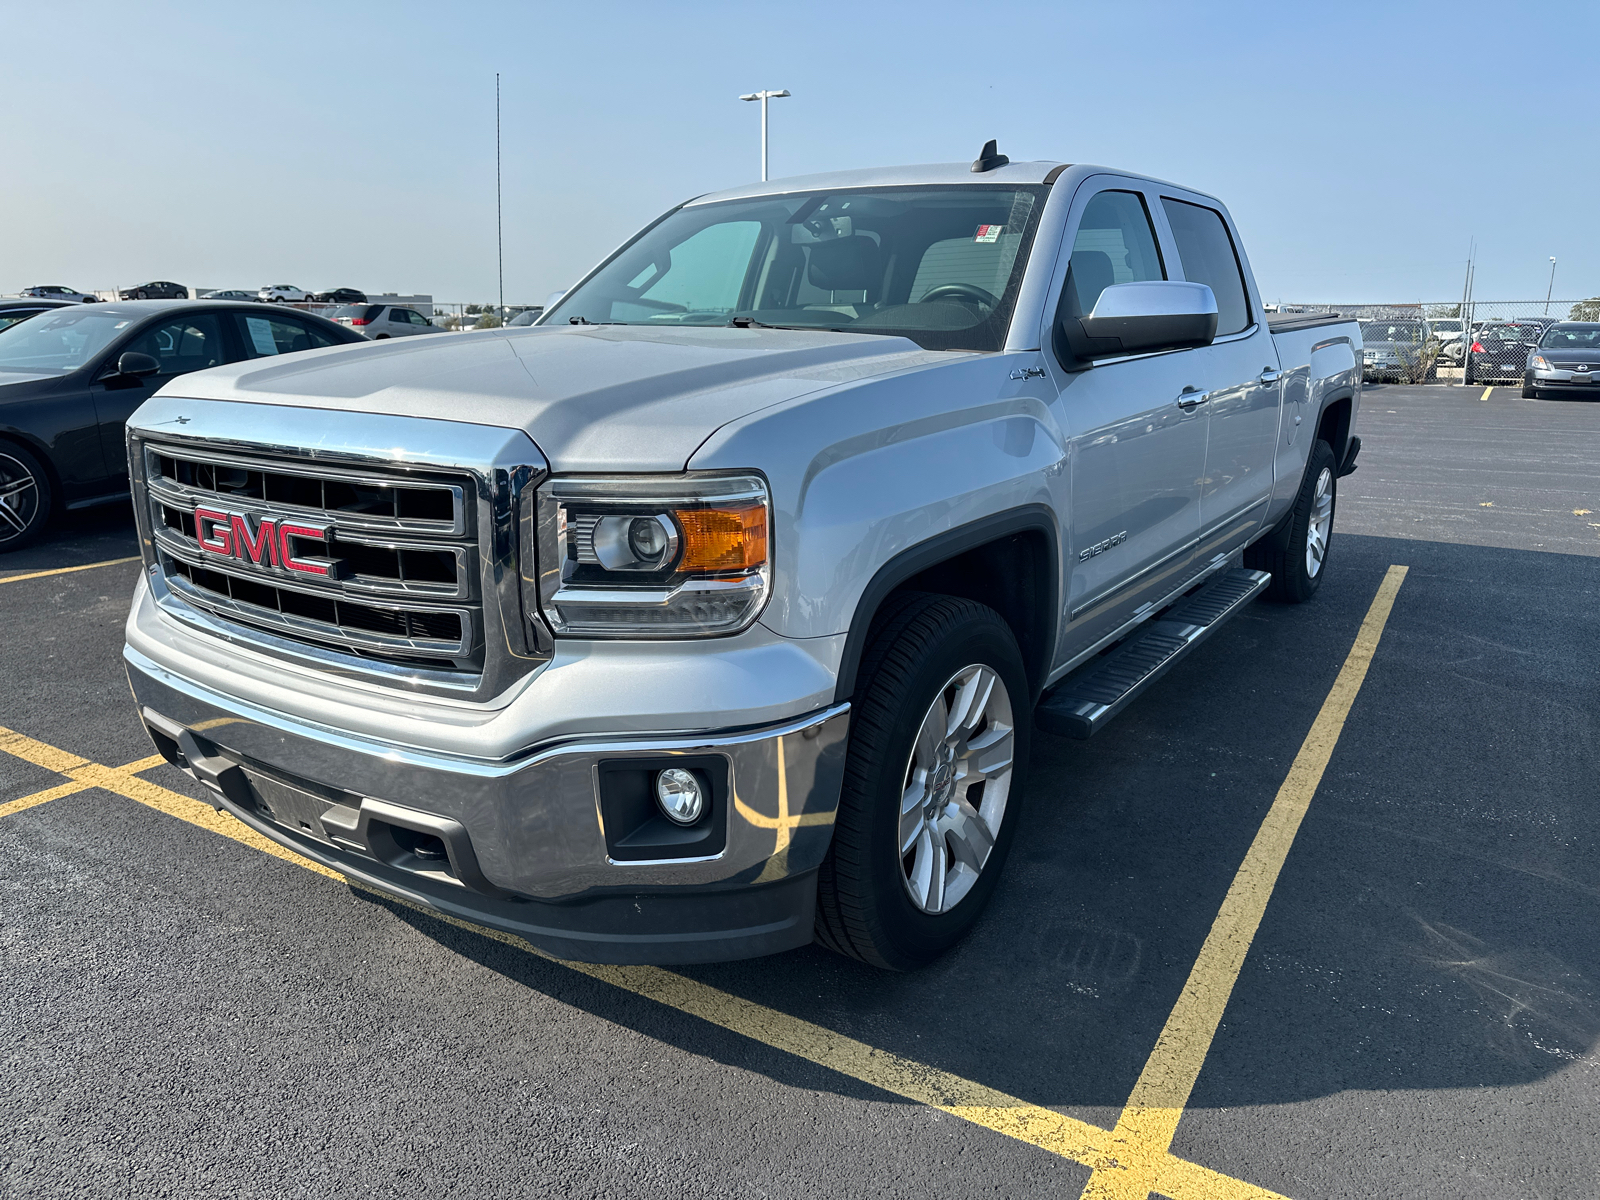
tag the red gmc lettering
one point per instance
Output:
(214, 530)
(263, 546)
(289, 560)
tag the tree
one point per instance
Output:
(1586, 310)
(488, 321)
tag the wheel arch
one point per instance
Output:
(1334, 421)
(1008, 561)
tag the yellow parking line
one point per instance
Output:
(38, 753)
(110, 562)
(55, 793)
(1144, 1132)
(1486, 392)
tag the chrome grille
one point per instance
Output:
(416, 521)
(399, 544)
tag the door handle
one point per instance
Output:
(1270, 376)
(1191, 399)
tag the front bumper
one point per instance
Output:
(527, 847)
(1555, 379)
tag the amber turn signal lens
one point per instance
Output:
(723, 539)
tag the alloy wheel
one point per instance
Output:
(19, 498)
(1320, 526)
(957, 781)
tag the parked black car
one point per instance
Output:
(160, 289)
(1499, 351)
(1566, 362)
(12, 311)
(70, 378)
(339, 296)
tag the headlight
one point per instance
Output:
(1539, 363)
(664, 556)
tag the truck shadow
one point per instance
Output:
(1435, 925)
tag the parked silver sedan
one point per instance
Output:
(379, 321)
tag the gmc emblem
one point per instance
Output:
(229, 535)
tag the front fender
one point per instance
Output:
(862, 473)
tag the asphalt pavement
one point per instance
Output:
(183, 1014)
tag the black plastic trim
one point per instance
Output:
(1029, 518)
(1055, 172)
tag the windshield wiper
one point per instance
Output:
(752, 323)
(586, 321)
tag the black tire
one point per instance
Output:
(918, 654)
(140, 295)
(1529, 393)
(25, 495)
(379, 337)
(1284, 551)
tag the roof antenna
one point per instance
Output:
(989, 158)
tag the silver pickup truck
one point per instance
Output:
(712, 614)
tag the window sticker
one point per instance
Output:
(989, 233)
(261, 335)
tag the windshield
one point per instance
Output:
(1571, 337)
(938, 265)
(1391, 331)
(1447, 326)
(58, 342)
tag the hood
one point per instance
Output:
(593, 398)
(1573, 354)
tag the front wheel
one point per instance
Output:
(24, 498)
(938, 756)
(1296, 553)
(1529, 393)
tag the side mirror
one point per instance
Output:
(1130, 318)
(134, 364)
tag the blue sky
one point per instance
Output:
(1359, 146)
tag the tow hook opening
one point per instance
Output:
(424, 845)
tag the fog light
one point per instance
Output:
(680, 795)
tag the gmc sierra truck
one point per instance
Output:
(712, 614)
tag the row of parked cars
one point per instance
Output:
(1492, 351)
(1543, 354)
(164, 289)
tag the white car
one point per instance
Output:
(276, 292)
(1447, 331)
(378, 321)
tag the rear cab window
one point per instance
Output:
(1208, 256)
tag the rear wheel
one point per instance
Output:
(24, 497)
(938, 754)
(1296, 553)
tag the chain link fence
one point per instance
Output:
(1434, 343)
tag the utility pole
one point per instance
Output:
(1552, 286)
(764, 97)
(1466, 326)
(499, 229)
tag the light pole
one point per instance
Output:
(764, 97)
(1547, 290)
